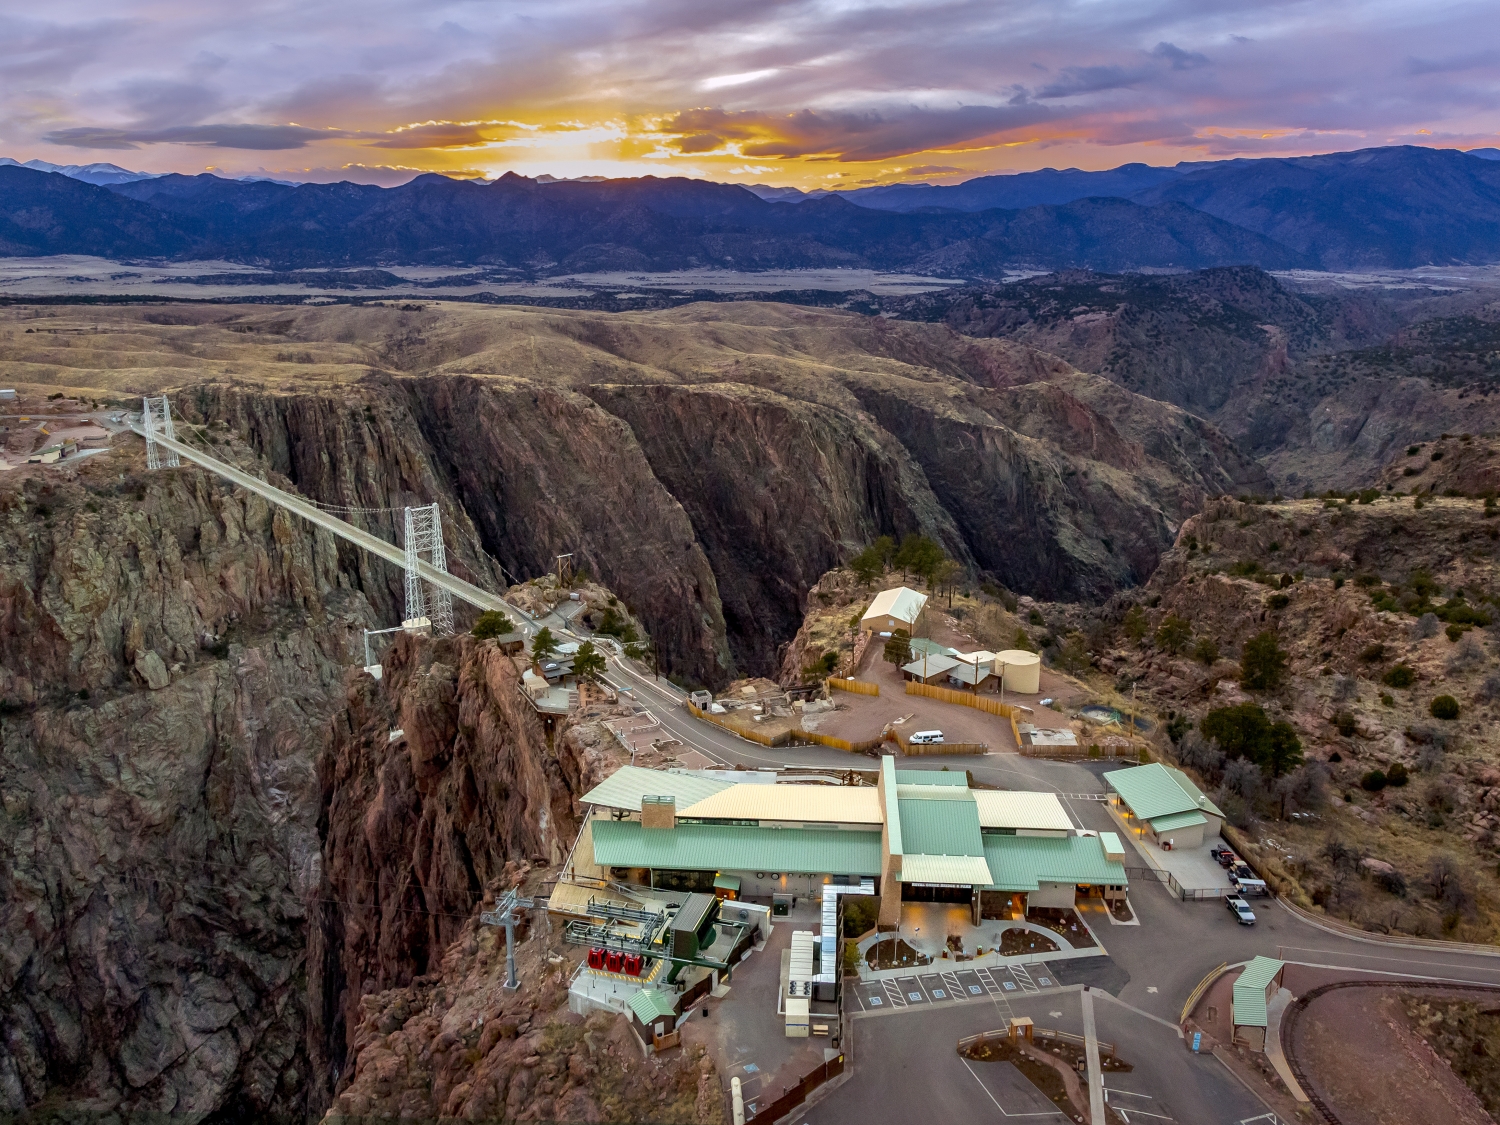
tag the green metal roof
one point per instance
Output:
(1194, 792)
(1175, 821)
(934, 793)
(919, 645)
(724, 847)
(624, 788)
(1250, 991)
(1151, 791)
(892, 821)
(940, 827)
(961, 870)
(932, 777)
(1020, 863)
(651, 1004)
(727, 883)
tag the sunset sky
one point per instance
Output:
(811, 93)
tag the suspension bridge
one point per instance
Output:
(423, 530)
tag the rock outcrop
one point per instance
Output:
(170, 650)
(437, 782)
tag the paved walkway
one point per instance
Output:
(1193, 868)
(1275, 1008)
(925, 927)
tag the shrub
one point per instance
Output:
(492, 623)
(1278, 602)
(1094, 751)
(1173, 634)
(1263, 663)
(1426, 626)
(1373, 782)
(1372, 653)
(1344, 722)
(1413, 450)
(1206, 651)
(1489, 690)
(1397, 775)
(1135, 624)
(1392, 881)
(1399, 676)
(898, 648)
(1444, 707)
(1369, 495)
(1035, 617)
(1387, 699)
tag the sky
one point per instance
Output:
(805, 93)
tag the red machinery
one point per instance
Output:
(614, 960)
(633, 964)
(596, 958)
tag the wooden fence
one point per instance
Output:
(968, 699)
(858, 687)
(919, 749)
(734, 728)
(789, 737)
(793, 1096)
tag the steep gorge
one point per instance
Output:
(706, 463)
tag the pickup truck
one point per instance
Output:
(1245, 882)
(1240, 909)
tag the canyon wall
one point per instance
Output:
(169, 652)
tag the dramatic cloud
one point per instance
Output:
(802, 92)
(264, 138)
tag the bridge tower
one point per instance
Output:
(157, 419)
(424, 542)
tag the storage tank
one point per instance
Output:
(1020, 671)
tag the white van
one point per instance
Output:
(926, 737)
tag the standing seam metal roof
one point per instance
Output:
(1151, 791)
(624, 788)
(1250, 991)
(841, 804)
(650, 1004)
(1175, 821)
(1021, 863)
(722, 847)
(940, 827)
(932, 777)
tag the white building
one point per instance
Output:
(892, 610)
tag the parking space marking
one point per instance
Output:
(988, 981)
(912, 987)
(1001, 1108)
(955, 989)
(893, 993)
(1023, 978)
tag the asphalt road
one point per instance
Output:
(905, 1059)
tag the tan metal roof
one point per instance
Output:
(956, 869)
(902, 603)
(823, 804)
(1009, 809)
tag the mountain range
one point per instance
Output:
(1396, 207)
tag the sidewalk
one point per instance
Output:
(1194, 869)
(989, 960)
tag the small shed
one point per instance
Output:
(654, 1014)
(893, 609)
(1252, 992)
(511, 643)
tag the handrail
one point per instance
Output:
(1203, 986)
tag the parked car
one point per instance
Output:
(1226, 857)
(1240, 909)
(1246, 882)
(926, 737)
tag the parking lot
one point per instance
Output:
(951, 985)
